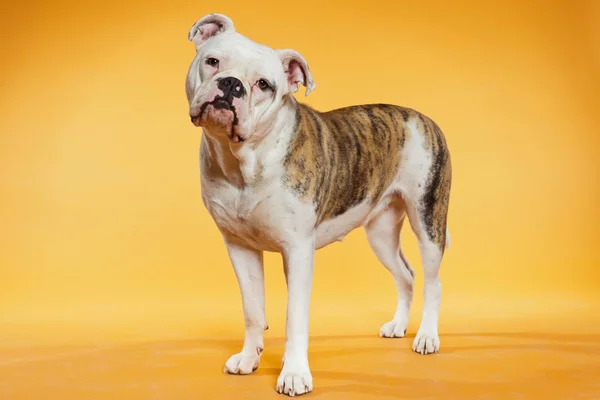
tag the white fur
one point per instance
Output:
(256, 213)
(248, 266)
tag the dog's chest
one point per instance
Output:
(250, 214)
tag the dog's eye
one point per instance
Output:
(213, 62)
(263, 84)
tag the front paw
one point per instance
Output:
(393, 329)
(242, 364)
(426, 342)
(294, 380)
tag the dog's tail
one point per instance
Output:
(447, 239)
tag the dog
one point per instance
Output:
(279, 176)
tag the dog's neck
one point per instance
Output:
(241, 164)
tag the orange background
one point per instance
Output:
(114, 282)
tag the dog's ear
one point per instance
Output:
(297, 71)
(208, 26)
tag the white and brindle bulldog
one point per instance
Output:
(279, 176)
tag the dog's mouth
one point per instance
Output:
(222, 104)
(221, 114)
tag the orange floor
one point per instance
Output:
(525, 350)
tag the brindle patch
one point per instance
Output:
(346, 156)
(435, 200)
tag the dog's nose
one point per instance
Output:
(231, 87)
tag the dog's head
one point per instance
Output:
(234, 86)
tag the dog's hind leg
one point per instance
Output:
(427, 214)
(383, 234)
(427, 340)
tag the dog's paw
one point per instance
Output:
(242, 364)
(294, 381)
(393, 329)
(426, 343)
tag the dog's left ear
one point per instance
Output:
(209, 26)
(297, 71)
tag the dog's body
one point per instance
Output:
(280, 176)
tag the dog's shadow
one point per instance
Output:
(482, 341)
(395, 384)
(389, 383)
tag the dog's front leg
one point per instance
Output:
(248, 266)
(295, 377)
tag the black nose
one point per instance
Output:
(231, 87)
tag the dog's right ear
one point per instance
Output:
(209, 26)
